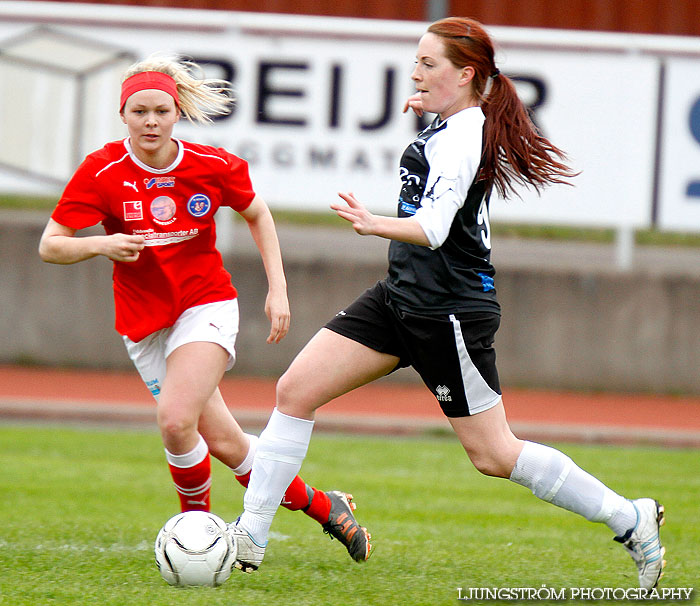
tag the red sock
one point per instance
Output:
(313, 502)
(243, 480)
(320, 506)
(193, 485)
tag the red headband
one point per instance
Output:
(147, 81)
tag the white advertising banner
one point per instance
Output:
(319, 103)
(597, 108)
(679, 193)
(315, 113)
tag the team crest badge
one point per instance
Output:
(198, 205)
(163, 210)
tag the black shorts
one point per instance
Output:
(453, 353)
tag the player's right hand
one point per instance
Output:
(123, 247)
(415, 103)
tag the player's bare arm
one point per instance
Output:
(262, 228)
(405, 229)
(59, 245)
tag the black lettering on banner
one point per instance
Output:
(693, 188)
(533, 100)
(287, 155)
(385, 116)
(226, 71)
(267, 91)
(322, 158)
(336, 83)
(249, 151)
(283, 155)
(360, 161)
(539, 94)
(391, 160)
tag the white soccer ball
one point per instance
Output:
(195, 548)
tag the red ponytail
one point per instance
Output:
(513, 152)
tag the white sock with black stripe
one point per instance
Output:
(554, 477)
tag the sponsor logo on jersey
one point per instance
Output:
(407, 207)
(163, 210)
(154, 386)
(486, 282)
(199, 205)
(442, 393)
(132, 185)
(158, 238)
(159, 182)
(133, 210)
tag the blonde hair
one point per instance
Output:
(200, 98)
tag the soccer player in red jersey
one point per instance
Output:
(176, 307)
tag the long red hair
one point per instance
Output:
(514, 152)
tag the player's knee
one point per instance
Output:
(174, 426)
(290, 395)
(283, 391)
(489, 463)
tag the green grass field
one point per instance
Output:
(81, 508)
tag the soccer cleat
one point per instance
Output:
(644, 543)
(249, 555)
(343, 526)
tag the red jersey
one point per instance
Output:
(173, 209)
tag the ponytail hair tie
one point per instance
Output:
(495, 72)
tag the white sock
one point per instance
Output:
(280, 452)
(189, 459)
(555, 478)
(247, 463)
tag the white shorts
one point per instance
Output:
(211, 322)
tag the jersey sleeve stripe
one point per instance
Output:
(99, 172)
(205, 155)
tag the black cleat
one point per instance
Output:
(343, 526)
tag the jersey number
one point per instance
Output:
(482, 220)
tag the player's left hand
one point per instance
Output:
(362, 220)
(277, 311)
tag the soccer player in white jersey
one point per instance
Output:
(437, 309)
(176, 307)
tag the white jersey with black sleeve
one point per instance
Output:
(441, 190)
